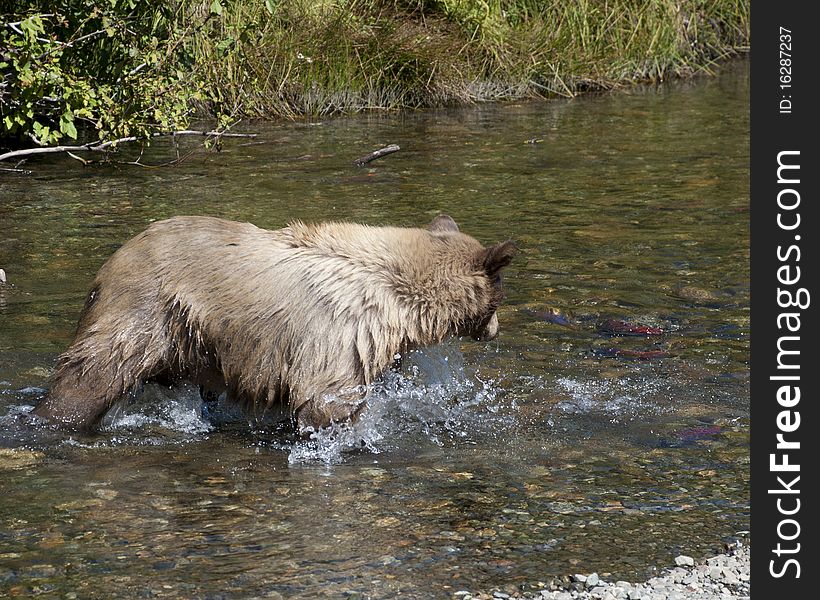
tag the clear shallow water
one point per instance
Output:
(555, 449)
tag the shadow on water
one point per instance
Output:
(606, 429)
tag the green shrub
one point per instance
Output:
(117, 68)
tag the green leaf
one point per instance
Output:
(216, 8)
(42, 132)
(67, 125)
(225, 45)
(269, 6)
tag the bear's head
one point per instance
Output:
(480, 321)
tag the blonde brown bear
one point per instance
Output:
(306, 316)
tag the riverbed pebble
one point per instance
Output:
(723, 577)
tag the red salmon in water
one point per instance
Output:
(619, 327)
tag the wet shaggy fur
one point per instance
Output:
(306, 316)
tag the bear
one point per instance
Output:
(304, 318)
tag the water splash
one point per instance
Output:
(435, 400)
(178, 409)
(433, 396)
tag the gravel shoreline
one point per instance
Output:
(721, 577)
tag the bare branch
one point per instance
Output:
(79, 158)
(102, 146)
(374, 155)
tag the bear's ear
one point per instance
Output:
(443, 223)
(495, 258)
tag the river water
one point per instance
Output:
(560, 447)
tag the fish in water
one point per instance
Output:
(698, 433)
(619, 327)
(690, 436)
(552, 315)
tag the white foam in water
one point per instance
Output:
(18, 410)
(32, 391)
(177, 409)
(433, 395)
(9, 420)
(621, 398)
(13, 417)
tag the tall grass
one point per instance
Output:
(315, 57)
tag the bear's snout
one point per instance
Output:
(489, 331)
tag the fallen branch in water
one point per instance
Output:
(99, 146)
(376, 154)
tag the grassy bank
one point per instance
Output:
(121, 68)
(320, 57)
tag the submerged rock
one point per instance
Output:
(18, 458)
(629, 353)
(697, 295)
